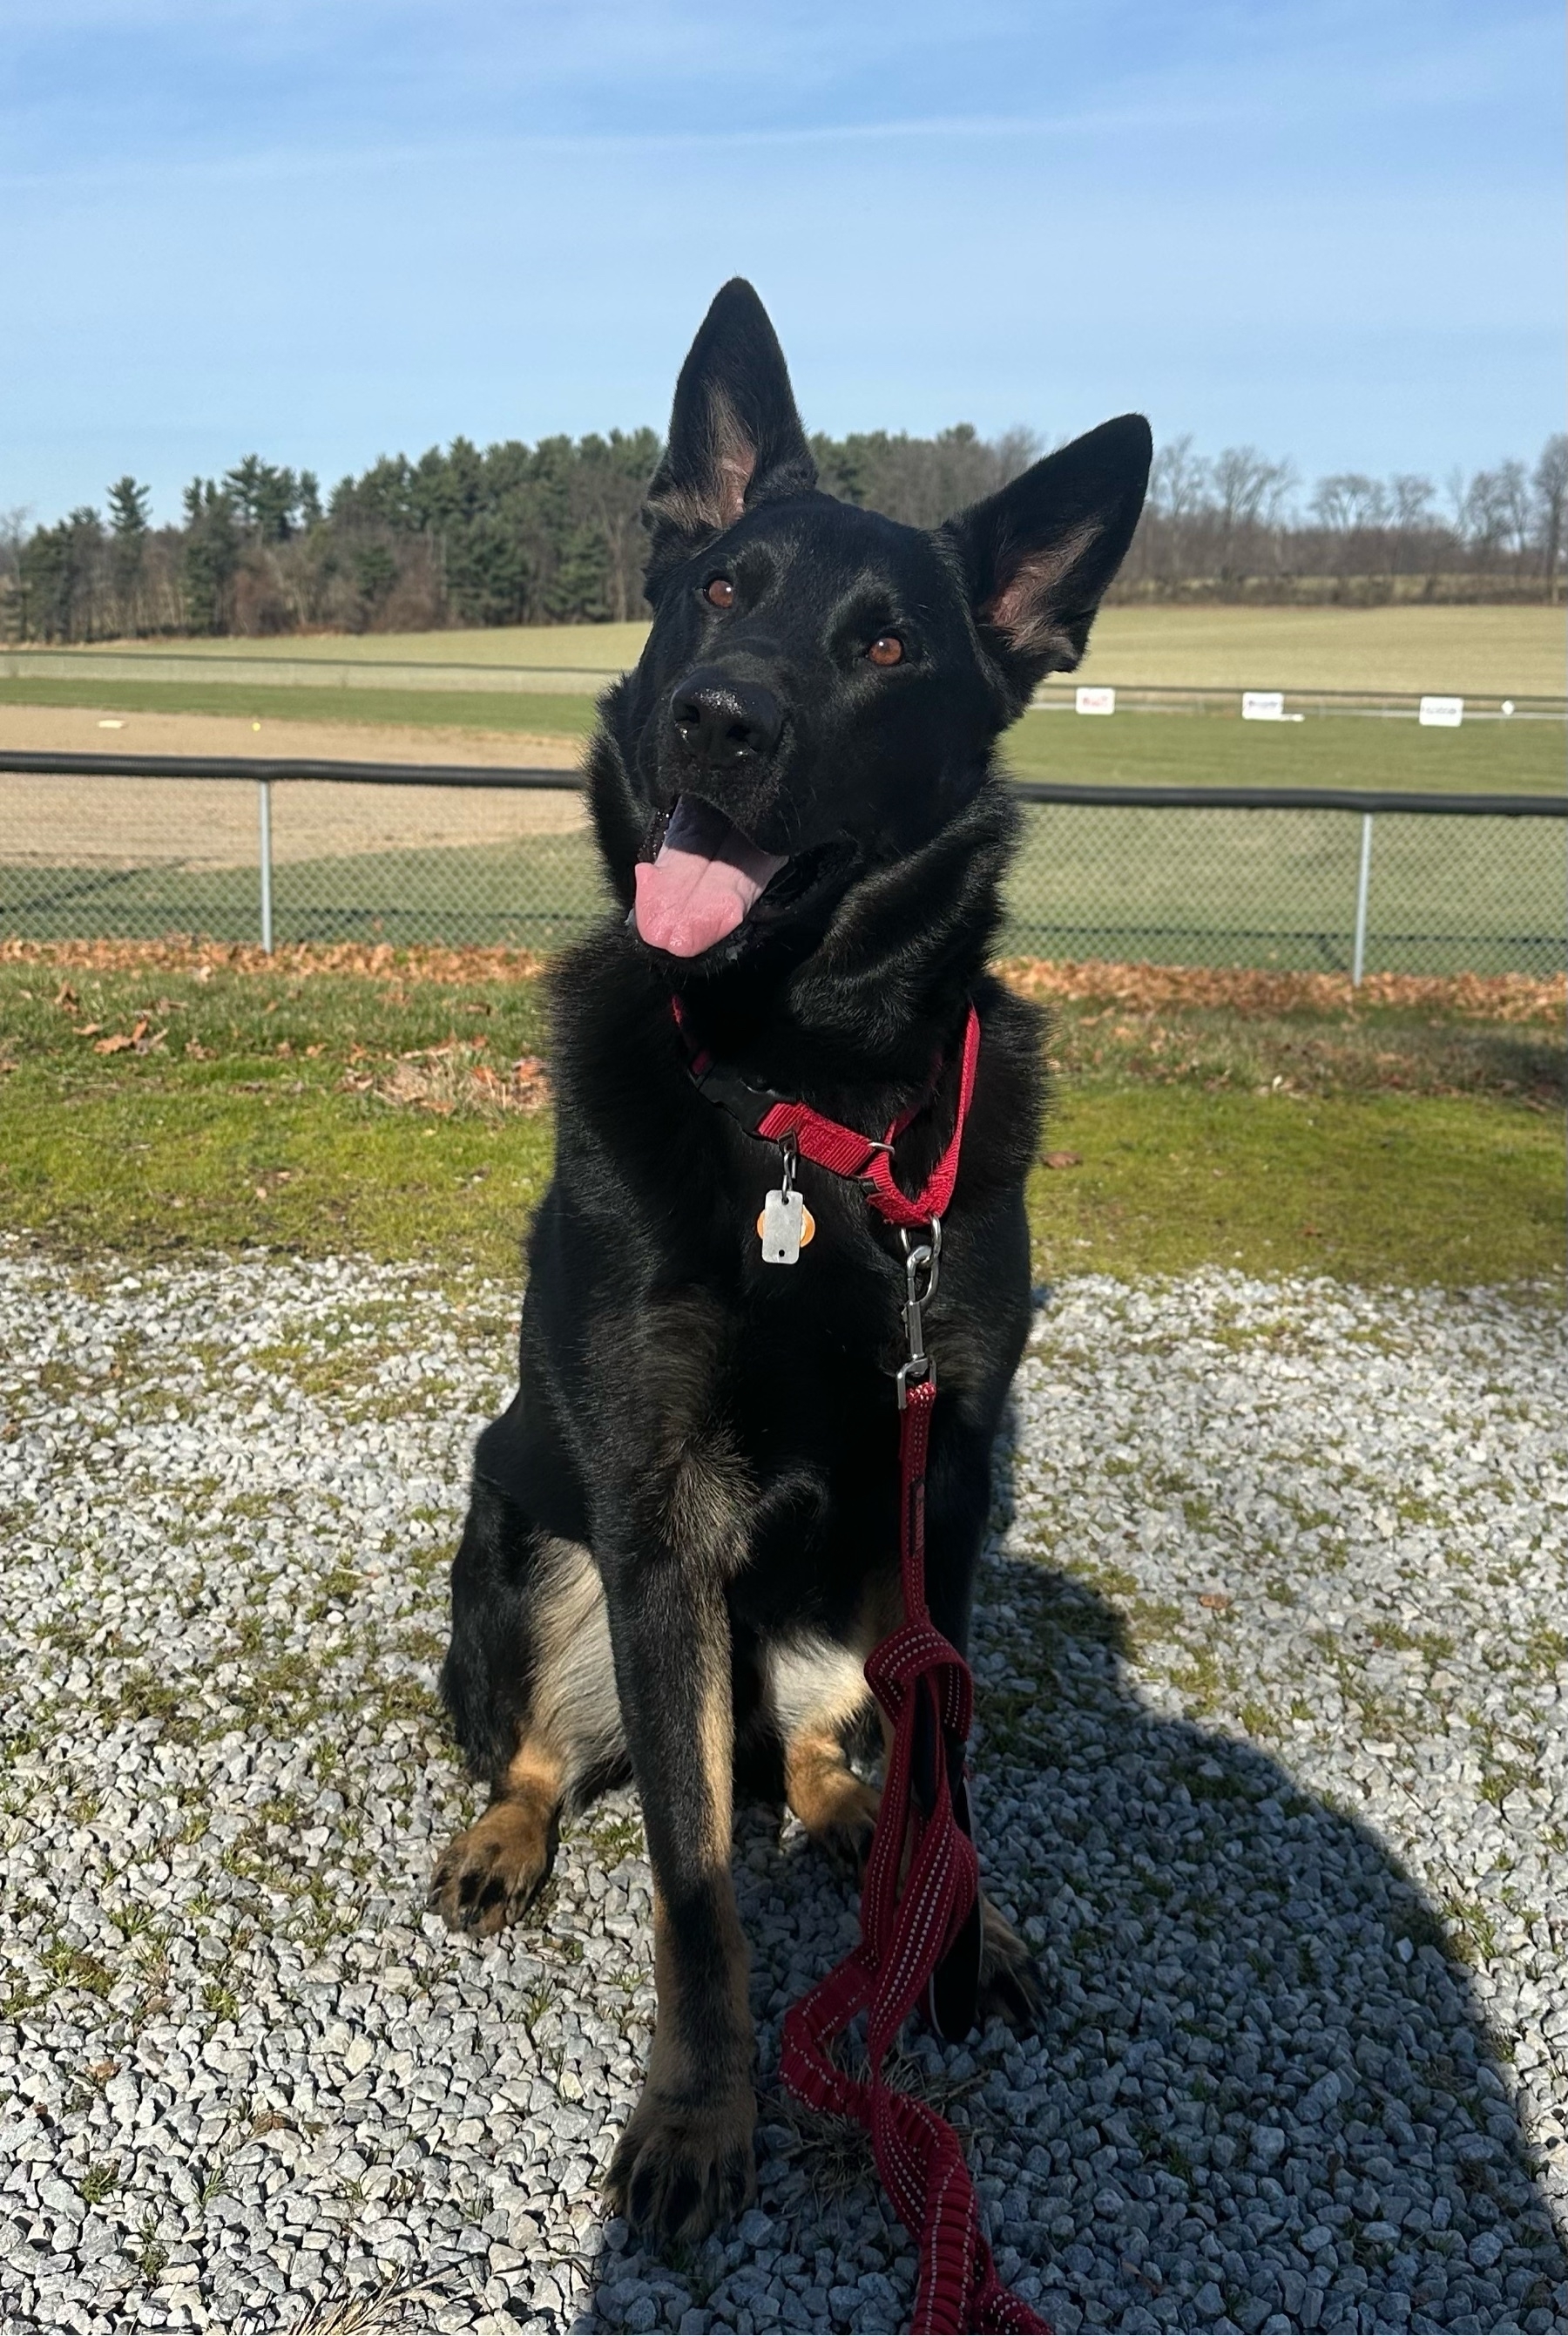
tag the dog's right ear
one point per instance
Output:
(735, 437)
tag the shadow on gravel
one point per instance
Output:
(1264, 2096)
(1265, 2087)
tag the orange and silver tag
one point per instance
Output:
(786, 1224)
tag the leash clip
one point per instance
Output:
(922, 1266)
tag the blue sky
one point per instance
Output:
(323, 229)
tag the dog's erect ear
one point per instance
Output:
(1039, 556)
(735, 438)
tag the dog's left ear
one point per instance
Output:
(1039, 556)
(735, 437)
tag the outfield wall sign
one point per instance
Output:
(1263, 705)
(1095, 701)
(1441, 712)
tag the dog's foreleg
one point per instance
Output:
(685, 2162)
(528, 1680)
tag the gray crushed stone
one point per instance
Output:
(1273, 1769)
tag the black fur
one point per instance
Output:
(659, 1354)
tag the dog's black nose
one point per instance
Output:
(719, 721)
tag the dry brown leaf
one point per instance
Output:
(449, 1078)
(120, 1043)
(65, 999)
(1216, 1600)
(1063, 1159)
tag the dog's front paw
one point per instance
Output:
(682, 2168)
(836, 1807)
(1013, 1987)
(490, 1873)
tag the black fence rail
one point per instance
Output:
(241, 848)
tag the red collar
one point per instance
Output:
(842, 1151)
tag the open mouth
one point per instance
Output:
(704, 881)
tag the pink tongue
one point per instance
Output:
(706, 877)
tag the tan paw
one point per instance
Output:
(683, 2168)
(836, 1809)
(491, 1872)
(1013, 1987)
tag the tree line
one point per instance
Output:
(551, 534)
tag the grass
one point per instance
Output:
(1278, 888)
(1144, 749)
(1366, 1188)
(564, 715)
(605, 649)
(253, 1139)
(1176, 887)
(1396, 1143)
(1499, 651)
(529, 894)
(1189, 750)
(1516, 651)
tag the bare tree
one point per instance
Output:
(1490, 511)
(1249, 492)
(1177, 489)
(1551, 485)
(1515, 505)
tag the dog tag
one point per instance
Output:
(784, 1228)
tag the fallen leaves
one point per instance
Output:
(451, 1077)
(1146, 988)
(141, 1038)
(1062, 1159)
(201, 959)
(1487, 997)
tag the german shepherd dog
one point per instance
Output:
(683, 1537)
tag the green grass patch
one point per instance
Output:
(1455, 1191)
(1277, 888)
(1393, 1146)
(1514, 648)
(1340, 750)
(248, 1138)
(535, 893)
(1131, 749)
(567, 715)
(1353, 1049)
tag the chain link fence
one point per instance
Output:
(139, 847)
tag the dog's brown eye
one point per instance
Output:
(720, 592)
(886, 649)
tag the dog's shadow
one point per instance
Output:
(1263, 2093)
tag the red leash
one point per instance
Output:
(920, 1906)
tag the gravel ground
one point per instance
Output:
(1273, 1677)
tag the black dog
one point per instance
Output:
(682, 1542)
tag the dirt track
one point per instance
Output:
(212, 824)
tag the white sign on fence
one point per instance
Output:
(1263, 705)
(1441, 712)
(1095, 701)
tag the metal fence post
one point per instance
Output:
(265, 810)
(1363, 882)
